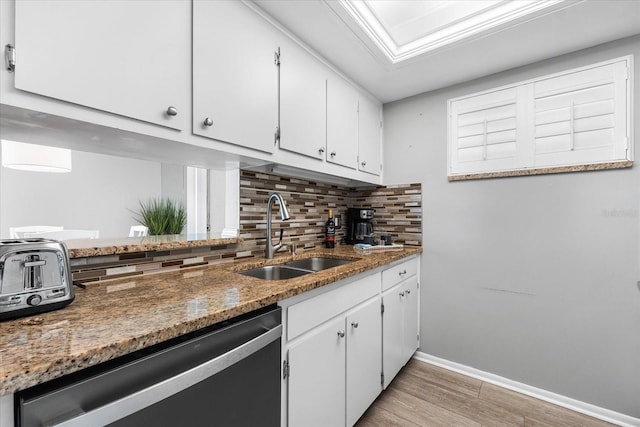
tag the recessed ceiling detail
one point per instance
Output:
(423, 54)
(404, 29)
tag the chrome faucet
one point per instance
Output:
(284, 216)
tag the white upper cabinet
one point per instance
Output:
(129, 58)
(302, 101)
(369, 135)
(577, 117)
(235, 77)
(342, 122)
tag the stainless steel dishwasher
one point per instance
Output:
(225, 375)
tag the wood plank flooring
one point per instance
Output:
(426, 395)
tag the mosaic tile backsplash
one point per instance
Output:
(397, 211)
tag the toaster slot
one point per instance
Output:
(33, 271)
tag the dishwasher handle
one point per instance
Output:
(139, 400)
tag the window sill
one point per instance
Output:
(543, 171)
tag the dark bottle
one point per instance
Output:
(330, 231)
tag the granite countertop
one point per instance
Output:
(115, 317)
(80, 248)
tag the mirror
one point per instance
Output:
(101, 194)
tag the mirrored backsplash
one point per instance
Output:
(100, 197)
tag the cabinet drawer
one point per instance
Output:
(309, 313)
(397, 274)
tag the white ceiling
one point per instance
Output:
(416, 53)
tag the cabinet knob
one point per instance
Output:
(208, 121)
(172, 111)
(408, 291)
(401, 294)
(333, 154)
(354, 324)
(341, 334)
(321, 150)
(363, 164)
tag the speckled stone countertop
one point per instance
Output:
(115, 317)
(80, 248)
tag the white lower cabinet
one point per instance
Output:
(364, 342)
(317, 379)
(400, 336)
(333, 351)
(339, 349)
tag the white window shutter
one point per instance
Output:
(577, 117)
(580, 117)
(484, 132)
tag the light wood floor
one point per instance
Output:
(426, 395)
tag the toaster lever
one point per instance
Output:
(34, 263)
(33, 271)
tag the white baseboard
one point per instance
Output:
(557, 399)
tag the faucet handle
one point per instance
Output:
(281, 233)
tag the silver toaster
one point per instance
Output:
(35, 276)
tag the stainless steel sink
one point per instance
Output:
(317, 263)
(296, 268)
(275, 272)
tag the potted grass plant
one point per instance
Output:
(162, 216)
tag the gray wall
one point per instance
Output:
(98, 194)
(530, 278)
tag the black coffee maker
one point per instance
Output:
(359, 226)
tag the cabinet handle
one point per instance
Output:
(363, 164)
(333, 154)
(208, 121)
(172, 111)
(402, 273)
(321, 150)
(401, 294)
(341, 334)
(354, 324)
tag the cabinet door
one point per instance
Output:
(364, 361)
(410, 315)
(129, 58)
(317, 376)
(235, 78)
(342, 123)
(392, 333)
(302, 102)
(369, 128)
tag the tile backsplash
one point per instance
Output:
(397, 211)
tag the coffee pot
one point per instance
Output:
(359, 226)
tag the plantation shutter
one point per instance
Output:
(484, 132)
(578, 117)
(581, 117)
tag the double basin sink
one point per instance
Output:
(295, 268)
